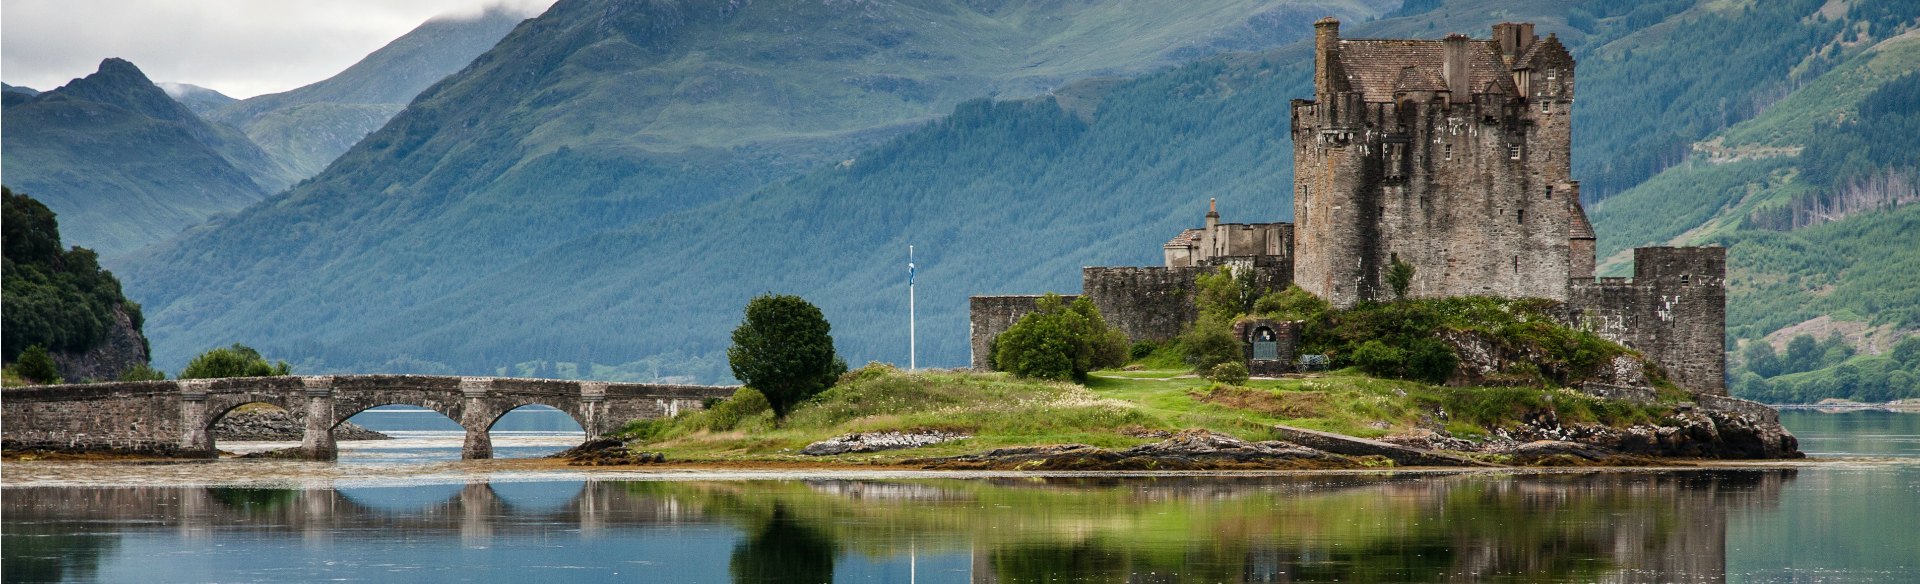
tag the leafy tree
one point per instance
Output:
(234, 361)
(1803, 354)
(1225, 294)
(36, 366)
(1400, 278)
(1760, 358)
(1060, 340)
(1907, 352)
(784, 349)
(1210, 342)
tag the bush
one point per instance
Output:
(1060, 340)
(1230, 373)
(234, 361)
(143, 372)
(729, 413)
(36, 366)
(783, 349)
(1210, 342)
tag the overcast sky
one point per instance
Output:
(242, 48)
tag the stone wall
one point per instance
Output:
(1156, 303)
(1673, 310)
(1287, 342)
(132, 417)
(988, 316)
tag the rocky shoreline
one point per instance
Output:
(277, 425)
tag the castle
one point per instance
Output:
(1453, 156)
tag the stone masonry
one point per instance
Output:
(175, 418)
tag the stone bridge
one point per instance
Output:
(175, 418)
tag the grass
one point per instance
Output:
(1115, 409)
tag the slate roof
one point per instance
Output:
(1184, 239)
(1375, 66)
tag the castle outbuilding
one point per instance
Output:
(1451, 155)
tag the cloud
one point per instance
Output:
(238, 47)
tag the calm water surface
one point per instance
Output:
(1857, 520)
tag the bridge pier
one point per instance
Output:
(317, 442)
(196, 438)
(476, 417)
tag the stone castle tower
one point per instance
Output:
(1451, 155)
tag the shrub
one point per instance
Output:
(783, 349)
(729, 413)
(36, 366)
(234, 361)
(1399, 278)
(143, 372)
(1210, 342)
(1060, 340)
(1293, 303)
(1224, 294)
(1230, 373)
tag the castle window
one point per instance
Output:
(1516, 264)
(1520, 216)
(1549, 191)
(1546, 107)
(1513, 152)
(1683, 279)
(1449, 151)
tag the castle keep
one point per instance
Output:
(1451, 155)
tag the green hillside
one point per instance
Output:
(308, 127)
(1813, 199)
(125, 164)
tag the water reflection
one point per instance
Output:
(1617, 527)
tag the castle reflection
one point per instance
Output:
(1586, 527)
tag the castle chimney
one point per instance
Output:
(1514, 38)
(1456, 69)
(1326, 44)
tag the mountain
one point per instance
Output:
(603, 114)
(200, 100)
(125, 164)
(308, 127)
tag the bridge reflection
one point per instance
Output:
(1618, 527)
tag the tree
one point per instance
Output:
(1060, 340)
(1760, 358)
(1803, 354)
(36, 366)
(783, 349)
(1400, 278)
(1225, 294)
(234, 361)
(1209, 342)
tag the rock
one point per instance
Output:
(1719, 428)
(1424, 439)
(1351, 446)
(277, 425)
(1187, 450)
(878, 441)
(607, 452)
(123, 349)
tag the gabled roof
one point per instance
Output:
(1542, 50)
(1186, 238)
(1374, 67)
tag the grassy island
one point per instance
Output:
(1114, 409)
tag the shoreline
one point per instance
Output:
(232, 472)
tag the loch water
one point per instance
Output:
(400, 512)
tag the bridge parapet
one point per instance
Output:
(175, 418)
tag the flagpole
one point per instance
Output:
(912, 342)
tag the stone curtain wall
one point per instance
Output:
(1157, 303)
(988, 316)
(1674, 310)
(174, 418)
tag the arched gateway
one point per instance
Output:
(176, 417)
